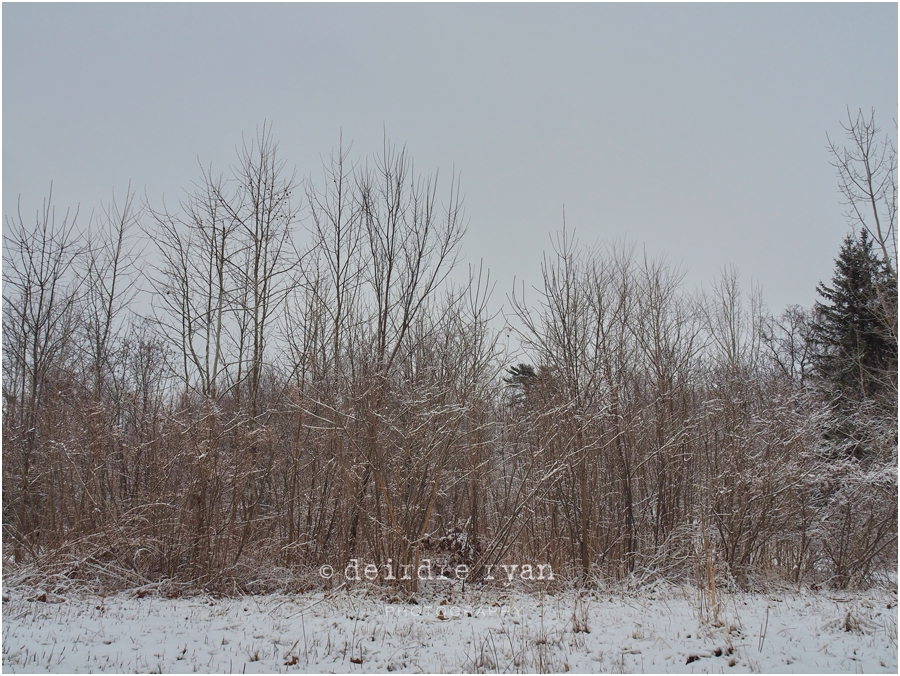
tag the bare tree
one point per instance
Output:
(735, 331)
(192, 284)
(561, 336)
(412, 242)
(336, 227)
(110, 283)
(41, 300)
(263, 211)
(867, 178)
(788, 340)
(667, 329)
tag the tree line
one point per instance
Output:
(280, 374)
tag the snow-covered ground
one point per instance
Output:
(664, 629)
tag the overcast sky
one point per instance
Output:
(698, 131)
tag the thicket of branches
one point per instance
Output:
(290, 380)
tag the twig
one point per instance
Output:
(762, 636)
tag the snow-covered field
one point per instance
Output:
(664, 629)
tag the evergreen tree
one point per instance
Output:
(856, 348)
(520, 379)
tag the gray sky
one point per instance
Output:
(696, 130)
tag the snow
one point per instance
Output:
(659, 630)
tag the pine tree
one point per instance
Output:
(856, 348)
(855, 351)
(520, 379)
